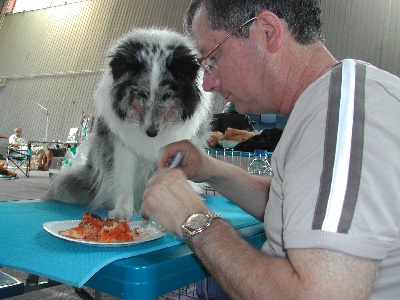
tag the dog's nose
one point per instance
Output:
(152, 131)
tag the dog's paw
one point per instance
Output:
(120, 213)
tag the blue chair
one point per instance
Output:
(19, 159)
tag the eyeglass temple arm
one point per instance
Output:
(215, 48)
(200, 60)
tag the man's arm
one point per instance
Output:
(250, 192)
(243, 271)
(13, 141)
(15, 144)
(247, 273)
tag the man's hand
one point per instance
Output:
(169, 199)
(195, 163)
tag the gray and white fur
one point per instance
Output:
(149, 96)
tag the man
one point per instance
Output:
(331, 210)
(16, 140)
(20, 147)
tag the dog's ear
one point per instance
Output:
(183, 63)
(126, 59)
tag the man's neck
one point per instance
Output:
(307, 65)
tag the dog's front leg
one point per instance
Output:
(124, 170)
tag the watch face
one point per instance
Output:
(196, 221)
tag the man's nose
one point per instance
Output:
(211, 83)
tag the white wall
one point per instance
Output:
(368, 30)
(54, 56)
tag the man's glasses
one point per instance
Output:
(205, 62)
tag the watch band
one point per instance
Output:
(189, 234)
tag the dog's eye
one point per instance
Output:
(166, 96)
(140, 96)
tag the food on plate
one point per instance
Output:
(95, 228)
(214, 137)
(231, 134)
(239, 135)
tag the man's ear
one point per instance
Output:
(272, 28)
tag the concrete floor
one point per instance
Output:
(33, 187)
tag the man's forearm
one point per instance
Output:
(247, 273)
(242, 270)
(250, 192)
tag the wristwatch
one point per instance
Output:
(197, 223)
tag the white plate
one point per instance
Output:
(153, 230)
(227, 144)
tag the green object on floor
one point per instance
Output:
(8, 176)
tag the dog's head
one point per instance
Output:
(154, 75)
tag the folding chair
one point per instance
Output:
(19, 160)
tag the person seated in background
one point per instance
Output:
(16, 141)
(17, 144)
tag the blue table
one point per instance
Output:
(136, 276)
(156, 273)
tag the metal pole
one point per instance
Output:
(47, 123)
(47, 120)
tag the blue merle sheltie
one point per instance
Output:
(149, 96)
